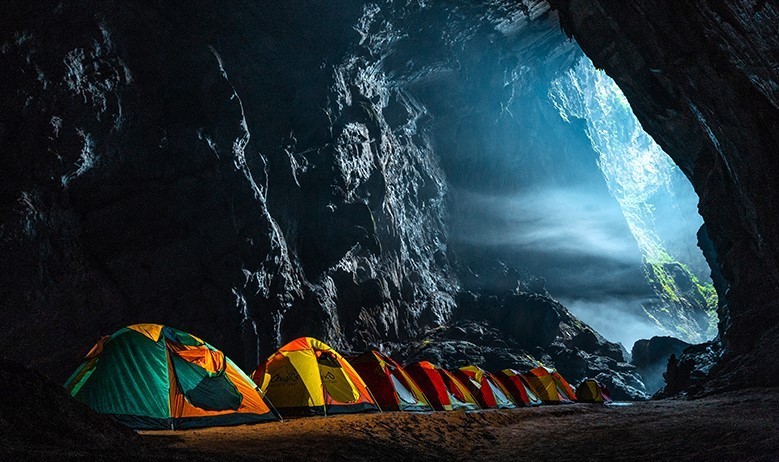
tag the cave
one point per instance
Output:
(582, 183)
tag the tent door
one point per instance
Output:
(404, 394)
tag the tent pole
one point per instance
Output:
(324, 395)
(270, 404)
(373, 397)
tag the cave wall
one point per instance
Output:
(702, 78)
(188, 165)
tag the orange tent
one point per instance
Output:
(149, 376)
(442, 389)
(306, 376)
(550, 386)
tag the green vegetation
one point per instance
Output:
(667, 276)
(657, 275)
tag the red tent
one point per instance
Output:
(488, 391)
(517, 386)
(390, 385)
(442, 389)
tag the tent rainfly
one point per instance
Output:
(306, 376)
(442, 389)
(487, 390)
(550, 386)
(592, 391)
(518, 387)
(149, 376)
(391, 386)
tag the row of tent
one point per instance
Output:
(150, 376)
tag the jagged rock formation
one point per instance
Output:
(191, 165)
(702, 79)
(651, 359)
(157, 174)
(655, 198)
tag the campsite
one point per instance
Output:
(403, 230)
(307, 401)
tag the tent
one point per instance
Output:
(550, 386)
(485, 388)
(592, 391)
(391, 386)
(149, 376)
(518, 388)
(306, 376)
(443, 391)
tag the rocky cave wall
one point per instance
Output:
(188, 164)
(702, 78)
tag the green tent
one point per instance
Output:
(150, 376)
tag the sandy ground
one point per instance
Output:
(738, 426)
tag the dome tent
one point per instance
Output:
(516, 384)
(391, 386)
(550, 386)
(306, 376)
(487, 390)
(592, 391)
(150, 376)
(443, 390)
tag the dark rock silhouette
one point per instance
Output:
(651, 358)
(36, 412)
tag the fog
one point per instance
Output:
(615, 318)
(571, 189)
(568, 222)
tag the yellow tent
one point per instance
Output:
(550, 386)
(592, 391)
(306, 376)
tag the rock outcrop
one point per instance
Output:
(651, 359)
(517, 324)
(36, 413)
(189, 165)
(702, 78)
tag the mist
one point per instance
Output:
(570, 188)
(570, 222)
(615, 318)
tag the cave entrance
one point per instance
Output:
(553, 175)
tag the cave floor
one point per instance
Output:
(735, 426)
